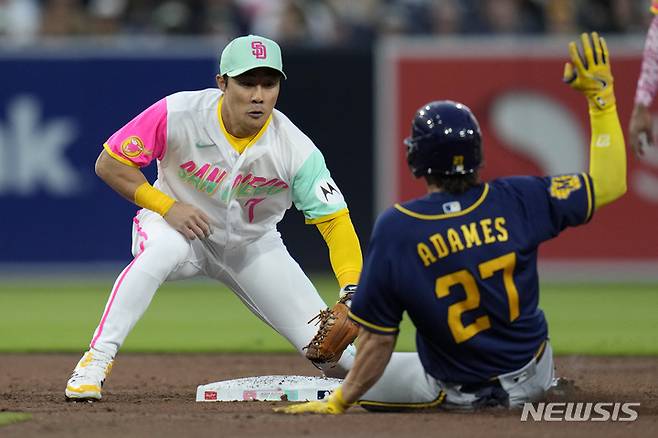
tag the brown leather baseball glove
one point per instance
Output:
(336, 331)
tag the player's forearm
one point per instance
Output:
(607, 156)
(131, 183)
(372, 356)
(121, 177)
(344, 249)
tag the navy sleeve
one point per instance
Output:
(375, 305)
(552, 203)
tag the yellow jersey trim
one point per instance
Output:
(239, 144)
(371, 325)
(431, 217)
(588, 188)
(328, 217)
(434, 403)
(118, 157)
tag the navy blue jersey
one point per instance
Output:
(464, 267)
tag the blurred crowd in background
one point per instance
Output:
(316, 22)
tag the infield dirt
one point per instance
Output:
(153, 396)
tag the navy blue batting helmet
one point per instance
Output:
(445, 140)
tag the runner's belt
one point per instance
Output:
(494, 382)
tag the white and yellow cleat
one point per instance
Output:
(87, 378)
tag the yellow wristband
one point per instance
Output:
(147, 196)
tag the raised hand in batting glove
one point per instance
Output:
(333, 405)
(335, 332)
(590, 73)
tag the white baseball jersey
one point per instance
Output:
(246, 194)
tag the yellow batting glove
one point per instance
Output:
(334, 405)
(592, 75)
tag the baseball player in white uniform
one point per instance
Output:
(229, 166)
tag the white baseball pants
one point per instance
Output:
(262, 274)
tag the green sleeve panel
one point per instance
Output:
(313, 191)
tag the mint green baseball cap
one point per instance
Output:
(248, 52)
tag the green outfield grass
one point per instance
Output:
(13, 417)
(57, 315)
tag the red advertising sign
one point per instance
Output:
(532, 124)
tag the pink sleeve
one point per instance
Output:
(143, 138)
(648, 82)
